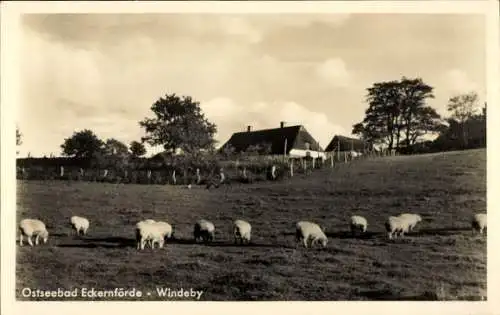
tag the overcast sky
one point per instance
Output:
(103, 72)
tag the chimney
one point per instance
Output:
(249, 128)
(282, 124)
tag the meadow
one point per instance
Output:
(440, 260)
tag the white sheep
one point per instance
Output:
(358, 223)
(305, 231)
(396, 226)
(479, 222)
(155, 232)
(411, 219)
(80, 224)
(242, 231)
(138, 235)
(166, 231)
(30, 228)
(204, 230)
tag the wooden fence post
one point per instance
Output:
(222, 176)
(61, 171)
(284, 149)
(291, 167)
(105, 173)
(174, 180)
(338, 150)
(198, 176)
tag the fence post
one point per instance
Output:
(291, 167)
(174, 180)
(284, 149)
(338, 150)
(313, 163)
(61, 171)
(105, 173)
(198, 177)
(222, 176)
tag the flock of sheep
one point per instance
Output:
(151, 232)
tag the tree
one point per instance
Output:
(463, 107)
(417, 118)
(82, 144)
(397, 114)
(137, 149)
(263, 148)
(179, 124)
(115, 147)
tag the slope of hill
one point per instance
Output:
(441, 259)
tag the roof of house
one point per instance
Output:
(346, 144)
(296, 138)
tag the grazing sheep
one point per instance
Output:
(138, 227)
(155, 232)
(30, 228)
(358, 223)
(396, 226)
(411, 219)
(306, 231)
(479, 222)
(80, 224)
(242, 231)
(204, 230)
(166, 232)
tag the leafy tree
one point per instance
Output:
(462, 108)
(115, 155)
(417, 118)
(263, 148)
(397, 114)
(82, 144)
(137, 149)
(179, 124)
(115, 147)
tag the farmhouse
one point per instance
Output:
(294, 141)
(341, 143)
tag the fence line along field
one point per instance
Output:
(440, 259)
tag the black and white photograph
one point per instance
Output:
(264, 156)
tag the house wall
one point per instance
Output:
(303, 153)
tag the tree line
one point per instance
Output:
(398, 117)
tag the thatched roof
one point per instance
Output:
(347, 144)
(296, 138)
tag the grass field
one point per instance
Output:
(440, 260)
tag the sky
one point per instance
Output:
(104, 71)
